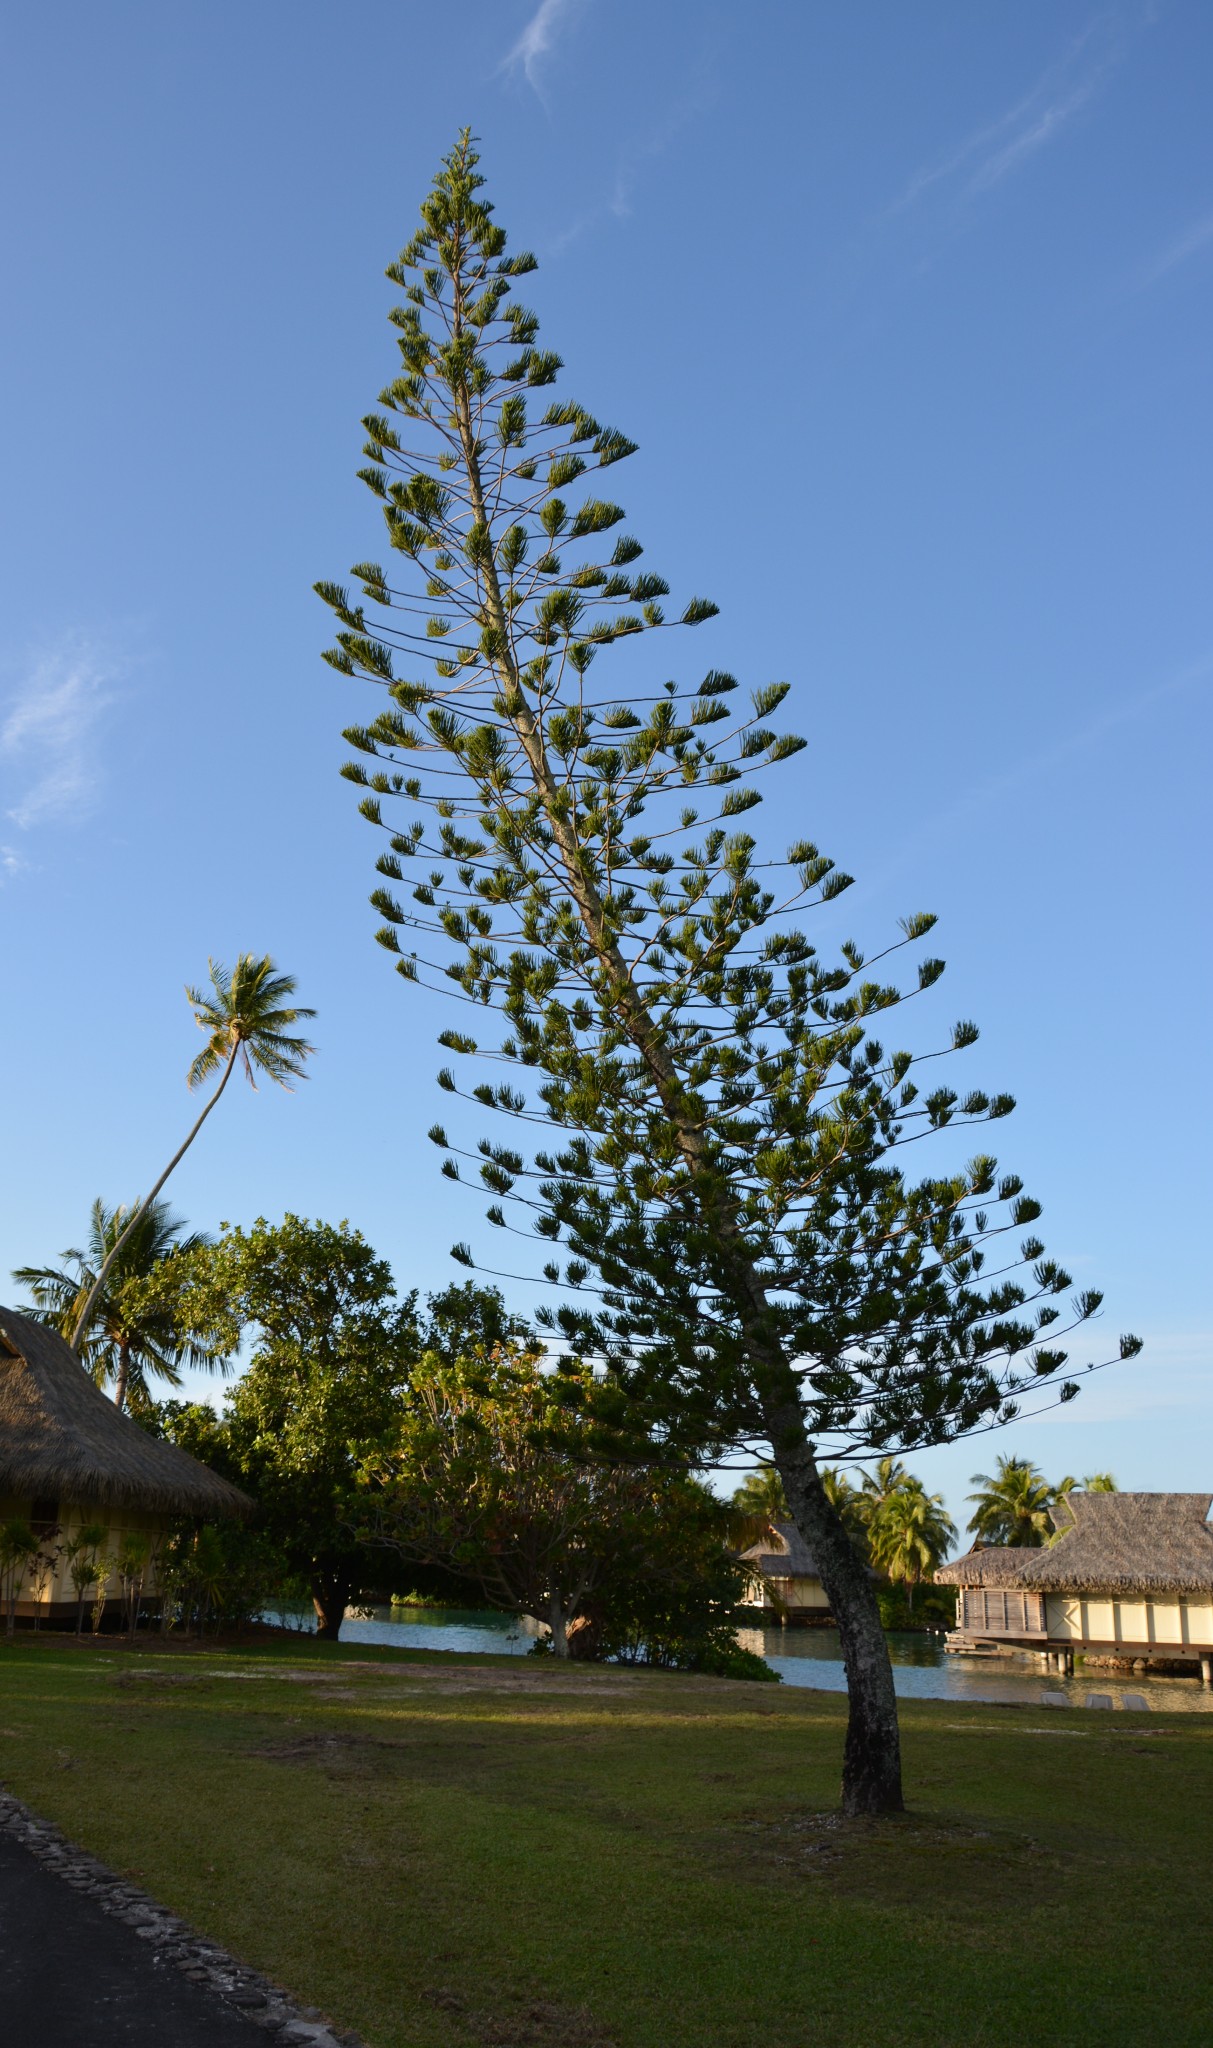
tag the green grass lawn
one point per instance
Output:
(454, 1852)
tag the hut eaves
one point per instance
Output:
(61, 1439)
(1141, 1544)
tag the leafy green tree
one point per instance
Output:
(909, 1535)
(328, 1372)
(128, 1339)
(1012, 1505)
(494, 1477)
(740, 1245)
(679, 1597)
(247, 1016)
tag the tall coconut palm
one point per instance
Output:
(761, 1498)
(889, 1477)
(124, 1340)
(849, 1503)
(247, 1016)
(910, 1535)
(760, 1501)
(1013, 1505)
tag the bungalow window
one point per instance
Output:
(44, 1519)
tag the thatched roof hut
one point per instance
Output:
(1119, 1544)
(793, 1559)
(61, 1439)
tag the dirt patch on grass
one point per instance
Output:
(912, 1860)
(529, 2023)
(312, 1749)
(158, 1678)
(351, 1753)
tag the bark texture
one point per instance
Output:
(871, 1768)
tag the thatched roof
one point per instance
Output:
(996, 1566)
(794, 1561)
(61, 1439)
(1118, 1543)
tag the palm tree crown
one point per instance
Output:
(247, 1014)
(761, 1497)
(910, 1534)
(1013, 1505)
(125, 1340)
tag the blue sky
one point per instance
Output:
(909, 310)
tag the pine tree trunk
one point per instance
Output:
(871, 1765)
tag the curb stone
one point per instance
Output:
(173, 1941)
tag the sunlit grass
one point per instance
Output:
(457, 1851)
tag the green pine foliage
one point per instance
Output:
(706, 1116)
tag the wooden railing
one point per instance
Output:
(990, 1611)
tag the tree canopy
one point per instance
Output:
(492, 1475)
(331, 1350)
(729, 1227)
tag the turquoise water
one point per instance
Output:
(803, 1656)
(922, 1669)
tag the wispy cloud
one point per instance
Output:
(1001, 146)
(697, 96)
(1187, 245)
(48, 753)
(980, 796)
(536, 40)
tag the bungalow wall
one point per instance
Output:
(56, 1523)
(800, 1595)
(1171, 1625)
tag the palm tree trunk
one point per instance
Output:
(81, 1329)
(124, 1373)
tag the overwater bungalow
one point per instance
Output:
(69, 1459)
(790, 1587)
(1127, 1575)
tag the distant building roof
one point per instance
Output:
(1136, 1543)
(794, 1559)
(61, 1439)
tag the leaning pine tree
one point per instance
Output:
(739, 1244)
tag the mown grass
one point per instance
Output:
(453, 1852)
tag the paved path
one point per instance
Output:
(72, 1976)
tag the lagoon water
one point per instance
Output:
(802, 1656)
